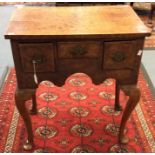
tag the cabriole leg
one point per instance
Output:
(20, 98)
(117, 103)
(134, 96)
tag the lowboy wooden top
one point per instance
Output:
(98, 21)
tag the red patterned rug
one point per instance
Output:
(80, 118)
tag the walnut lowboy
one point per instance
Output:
(101, 41)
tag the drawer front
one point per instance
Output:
(83, 49)
(119, 55)
(41, 53)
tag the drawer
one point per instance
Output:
(119, 55)
(82, 49)
(42, 53)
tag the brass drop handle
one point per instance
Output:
(118, 57)
(38, 59)
(78, 51)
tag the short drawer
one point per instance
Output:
(41, 53)
(119, 55)
(82, 49)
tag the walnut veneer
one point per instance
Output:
(101, 41)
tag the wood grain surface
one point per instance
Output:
(75, 21)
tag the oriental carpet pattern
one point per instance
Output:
(77, 117)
